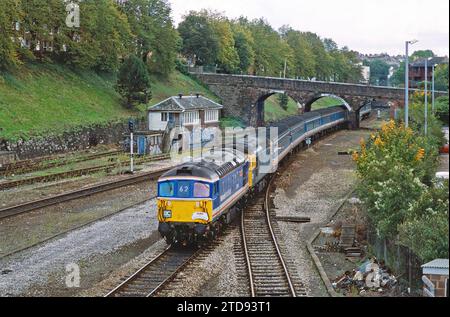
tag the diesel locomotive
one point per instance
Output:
(196, 199)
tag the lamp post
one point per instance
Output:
(407, 81)
(433, 89)
(426, 96)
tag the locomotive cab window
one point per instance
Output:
(167, 189)
(201, 190)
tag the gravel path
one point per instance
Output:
(37, 268)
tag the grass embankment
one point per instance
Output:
(274, 112)
(43, 99)
(326, 102)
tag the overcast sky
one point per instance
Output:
(368, 26)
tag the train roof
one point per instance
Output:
(285, 124)
(210, 167)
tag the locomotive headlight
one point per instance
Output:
(167, 214)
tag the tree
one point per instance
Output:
(398, 79)
(441, 77)
(442, 109)
(426, 227)
(422, 54)
(271, 51)
(330, 45)
(393, 167)
(200, 44)
(133, 81)
(42, 20)
(324, 62)
(227, 56)
(283, 100)
(379, 72)
(244, 42)
(303, 56)
(10, 13)
(103, 38)
(157, 42)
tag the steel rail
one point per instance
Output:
(73, 173)
(76, 194)
(247, 257)
(139, 279)
(274, 238)
(271, 251)
(136, 274)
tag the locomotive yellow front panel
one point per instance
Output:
(185, 211)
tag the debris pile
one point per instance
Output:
(340, 238)
(371, 276)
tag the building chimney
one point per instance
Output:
(198, 95)
(180, 96)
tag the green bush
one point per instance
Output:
(426, 228)
(396, 168)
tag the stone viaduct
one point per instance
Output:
(244, 96)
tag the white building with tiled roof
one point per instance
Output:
(184, 112)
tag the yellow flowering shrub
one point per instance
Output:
(393, 165)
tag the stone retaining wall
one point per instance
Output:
(75, 140)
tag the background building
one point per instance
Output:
(417, 70)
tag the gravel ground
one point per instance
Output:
(96, 249)
(30, 228)
(213, 274)
(313, 185)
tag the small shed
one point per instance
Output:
(435, 278)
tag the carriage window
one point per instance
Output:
(167, 189)
(184, 188)
(201, 190)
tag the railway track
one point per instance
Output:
(161, 276)
(65, 232)
(156, 273)
(75, 173)
(259, 260)
(26, 166)
(268, 271)
(85, 192)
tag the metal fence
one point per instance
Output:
(405, 264)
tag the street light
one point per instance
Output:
(433, 88)
(426, 94)
(407, 81)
